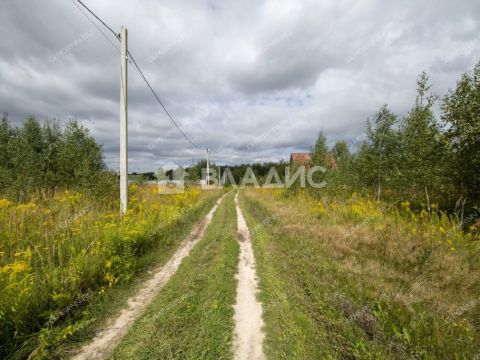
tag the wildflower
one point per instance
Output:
(133, 187)
(74, 198)
(110, 279)
(405, 205)
(4, 203)
(26, 207)
(16, 267)
(108, 226)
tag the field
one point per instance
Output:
(57, 255)
(339, 278)
(353, 279)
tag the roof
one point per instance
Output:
(302, 158)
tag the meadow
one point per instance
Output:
(57, 254)
(340, 277)
(359, 278)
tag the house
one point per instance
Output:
(304, 159)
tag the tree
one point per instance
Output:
(52, 137)
(39, 159)
(319, 158)
(27, 158)
(80, 158)
(461, 116)
(343, 177)
(6, 166)
(320, 150)
(340, 151)
(421, 167)
(377, 155)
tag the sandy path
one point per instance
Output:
(248, 310)
(105, 342)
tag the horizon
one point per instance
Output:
(253, 81)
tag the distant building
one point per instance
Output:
(304, 159)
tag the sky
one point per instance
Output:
(252, 80)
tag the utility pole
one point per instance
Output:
(208, 166)
(123, 125)
(219, 183)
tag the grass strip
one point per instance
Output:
(192, 316)
(88, 319)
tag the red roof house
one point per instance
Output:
(304, 159)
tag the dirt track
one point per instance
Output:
(105, 342)
(248, 310)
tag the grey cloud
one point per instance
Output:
(252, 80)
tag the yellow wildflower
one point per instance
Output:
(26, 207)
(405, 204)
(16, 267)
(4, 203)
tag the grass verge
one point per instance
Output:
(376, 289)
(85, 319)
(192, 316)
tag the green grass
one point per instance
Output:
(58, 341)
(192, 316)
(294, 311)
(378, 293)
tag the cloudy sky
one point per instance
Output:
(253, 80)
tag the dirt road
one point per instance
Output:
(105, 342)
(248, 310)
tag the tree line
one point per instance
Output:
(38, 159)
(415, 157)
(260, 170)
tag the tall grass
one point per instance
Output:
(57, 253)
(358, 278)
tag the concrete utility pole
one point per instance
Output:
(123, 125)
(208, 167)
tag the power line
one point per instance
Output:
(98, 28)
(138, 69)
(96, 17)
(161, 104)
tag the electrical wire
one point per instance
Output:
(135, 64)
(98, 28)
(96, 17)
(161, 103)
